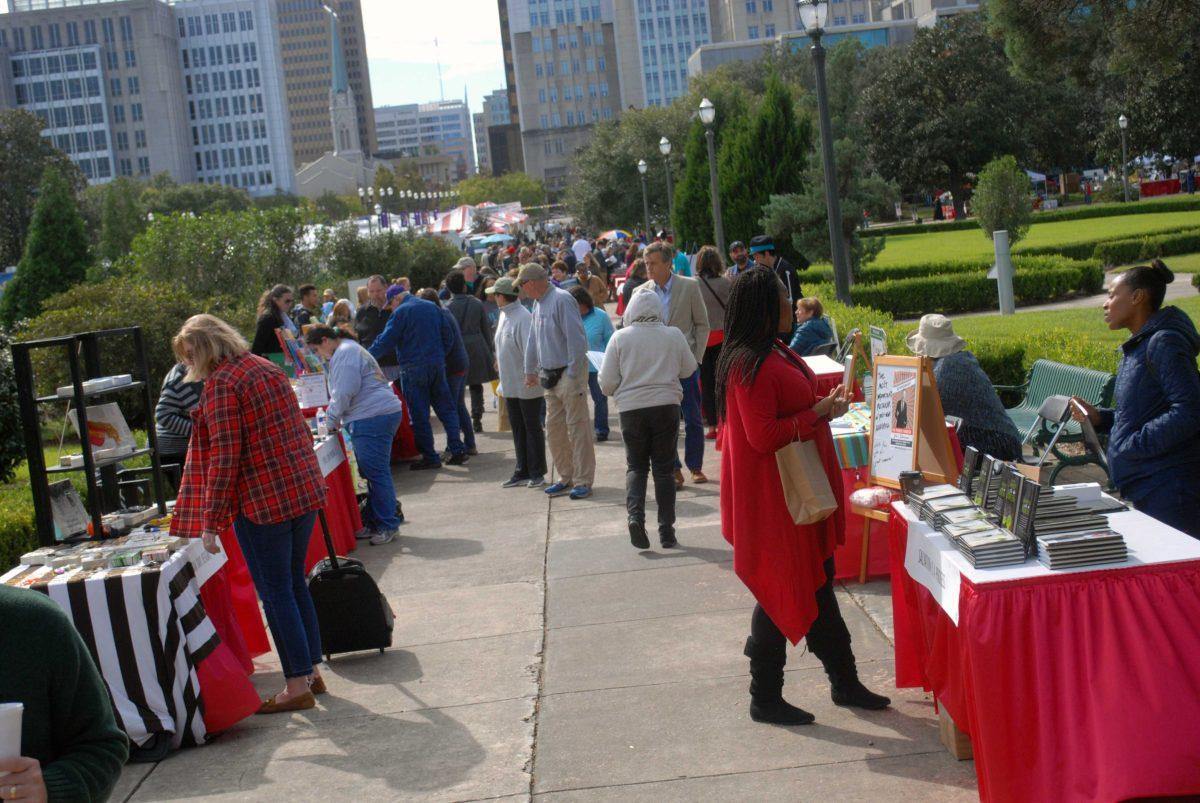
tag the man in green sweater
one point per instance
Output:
(71, 747)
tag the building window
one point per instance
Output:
(750, 7)
(769, 30)
(118, 114)
(89, 32)
(135, 112)
(753, 29)
(130, 58)
(135, 85)
(143, 165)
(839, 20)
(858, 19)
(600, 65)
(114, 87)
(139, 139)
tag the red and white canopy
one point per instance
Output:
(460, 220)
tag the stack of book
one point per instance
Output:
(1052, 511)
(1072, 550)
(926, 502)
(991, 548)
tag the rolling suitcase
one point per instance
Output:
(352, 613)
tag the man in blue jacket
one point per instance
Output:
(414, 333)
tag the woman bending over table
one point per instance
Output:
(766, 399)
(1154, 426)
(361, 398)
(251, 460)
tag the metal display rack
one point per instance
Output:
(103, 477)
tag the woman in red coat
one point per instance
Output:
(766, 399)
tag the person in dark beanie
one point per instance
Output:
(762, 251)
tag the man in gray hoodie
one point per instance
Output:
(642, 367)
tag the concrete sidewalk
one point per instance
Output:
(539, 655)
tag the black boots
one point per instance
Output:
(850, 692)
(766, 687)
(838, 659)
(637, 534)
(666, 537)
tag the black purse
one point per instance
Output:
(548, 377)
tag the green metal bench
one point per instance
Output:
(1048, 378)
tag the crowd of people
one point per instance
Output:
(715, 348)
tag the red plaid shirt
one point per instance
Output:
(251, 452)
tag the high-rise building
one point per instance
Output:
(137, 87)
(106, 80)
(564, 60)
(308, 72)
(442, 127)
(505, 150)
(654, 40)
(240, 128)
(495, 114)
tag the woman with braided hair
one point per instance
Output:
(766, 398)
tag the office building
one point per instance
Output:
(505, 150)
(495, 114)
(564, 64)
(106, 80)
(654, 40)
(414, 130)
(240, 129)
(307, 57)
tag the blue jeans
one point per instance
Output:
(423, 385)
(693, 424)
(275, 556)
(1171, 500)
(372, 440)
(458, 392)
(600, 402)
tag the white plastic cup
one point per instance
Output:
(10, 731)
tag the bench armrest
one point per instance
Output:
(1022, 387)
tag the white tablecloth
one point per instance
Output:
(932, 560)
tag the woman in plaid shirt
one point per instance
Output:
(251, 461)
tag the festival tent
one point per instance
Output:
(460, 221)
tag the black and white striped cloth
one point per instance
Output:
(147, 631)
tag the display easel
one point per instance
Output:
(908, 427)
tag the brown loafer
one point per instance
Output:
(678, 478)
(300, 703)
(698, 477)
(318, 685)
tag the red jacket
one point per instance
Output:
(251, 452)
(780, 562)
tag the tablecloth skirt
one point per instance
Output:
(341, 510)
(404, 445)
(1080, 687)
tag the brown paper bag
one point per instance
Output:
(805, 486)
(502, 411)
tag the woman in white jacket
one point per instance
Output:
(643, 364)
(526, 406)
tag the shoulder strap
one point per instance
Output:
(714, 292)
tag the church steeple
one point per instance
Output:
(342, 112)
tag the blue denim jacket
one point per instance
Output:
(1155, 424)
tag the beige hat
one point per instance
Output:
(465, 262)
(935, 337)
(531, 272)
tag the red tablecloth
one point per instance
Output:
(827, 382)
(404, 445)
(1076, 687)
(1166, 186)
(341, 510)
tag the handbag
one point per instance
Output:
(805, 487)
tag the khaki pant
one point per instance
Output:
(569, 429)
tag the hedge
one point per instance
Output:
(1132, 249)
(949, 294)
(1183, 203)
(874, 274)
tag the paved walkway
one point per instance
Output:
(539, 655)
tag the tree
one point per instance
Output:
(12, 442)
(1002, 201)
(942, 107)
(507, 188)
(333, 208)
(605, 189)
(165, 197)
(800, 220)
(693, 221)
(122, 218)
(24, 157)
(764, 158)
(56, 251)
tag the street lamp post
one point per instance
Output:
(708, 115)
(664, 147)
(812, 17)
(641, 166)
(1123, 123)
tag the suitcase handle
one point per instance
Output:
(328, 539)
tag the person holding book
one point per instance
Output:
(273, 308)
(965, 390)
(1154, 426)
(767, 399)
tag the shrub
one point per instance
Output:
(12, 445)
(160, 309)
(1002, 199)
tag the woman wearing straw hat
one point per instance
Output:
(966, 391)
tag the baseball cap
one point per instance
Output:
(394, 291)
(761, 243)
(736, 244)
(531, 272)
(504, 286)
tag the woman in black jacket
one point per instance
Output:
(476, 331)
(273, 314)
(636, 277)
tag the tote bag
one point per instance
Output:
(805, 486)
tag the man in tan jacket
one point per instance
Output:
(683, 307)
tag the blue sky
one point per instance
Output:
(403, 59)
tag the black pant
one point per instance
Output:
(708, 384)
(529, 436)
(651, 436)
(476, 403)
(828, 638)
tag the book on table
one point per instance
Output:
(991, 548)
(1072, 550)
(966, 478)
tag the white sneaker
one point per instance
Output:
(364, 534)
(384, 537)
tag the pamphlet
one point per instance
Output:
(10, 731)
(66, 508)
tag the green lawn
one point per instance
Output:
(906, 249)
